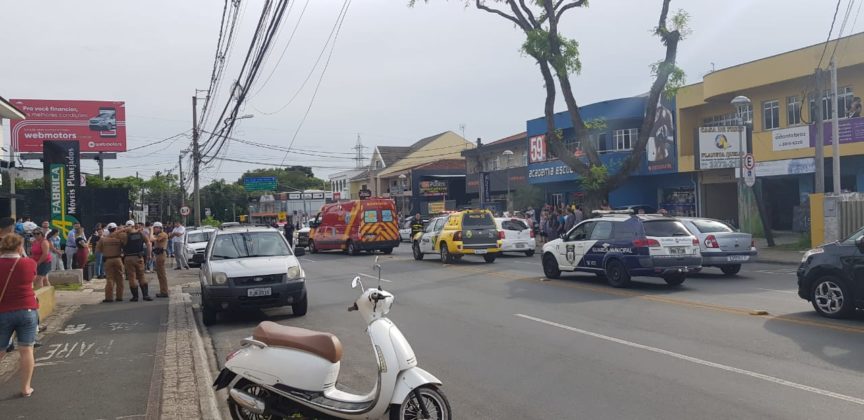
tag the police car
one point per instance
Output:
(618, 245)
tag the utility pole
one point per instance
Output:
(820, 134)
(196, 162)
(182, 187)
(12, 204)
(835, 131)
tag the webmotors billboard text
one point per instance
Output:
(97, 126)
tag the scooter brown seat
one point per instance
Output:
(322, 344)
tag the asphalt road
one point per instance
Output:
(508, 344)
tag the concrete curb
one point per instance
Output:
(186, 376)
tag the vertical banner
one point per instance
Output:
(485, 189)
(63, 170)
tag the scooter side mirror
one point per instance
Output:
(356, 282)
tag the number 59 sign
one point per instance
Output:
(537, 149)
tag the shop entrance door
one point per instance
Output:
(780, 198)
(720, 201)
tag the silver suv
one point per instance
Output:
(247, 267)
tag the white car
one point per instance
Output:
(518, 235)
(250, 268)
(618, 246)
(195, 242)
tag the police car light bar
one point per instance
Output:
(602, 212)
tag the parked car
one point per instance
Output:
(518, 235)
(467, 232)
(620, 245)
(721, 245)
(301, 237)
(106, 120)
(195, 242)
(831, 277)
(354, 226)
(246, 267)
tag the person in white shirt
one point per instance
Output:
(177, 238)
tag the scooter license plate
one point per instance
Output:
(259, 291)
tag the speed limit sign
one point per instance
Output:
(184, 211)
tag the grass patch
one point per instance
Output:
(71, 287)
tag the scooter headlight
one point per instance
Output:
(219, 278)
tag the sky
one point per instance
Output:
(397, 74)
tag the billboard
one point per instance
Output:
(97, 126)
(433, 187)
(719, 147)
(63, 170)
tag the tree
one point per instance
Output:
(224, 199)
(558, 57)
(528, 195)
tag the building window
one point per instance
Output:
(524, 159)
(844, 99)
(602, 145)
(624, 139)
(770, 115)
(793, 110)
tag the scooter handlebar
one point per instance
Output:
(353, 307)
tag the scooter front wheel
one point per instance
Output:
(423, 403)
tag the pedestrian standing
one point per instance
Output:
(148, 260)
(111, 248)
(82, 253)
(135, 247)
(18, 306)
(542, 227)
(569, 219)
(56, 252)
(71, 247)
(160, 244)
(179, 256)
(579, 215)
(98, 269)
(289, 233)
(168, 230)
(41, 253)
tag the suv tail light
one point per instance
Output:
(752, 244)
(711, 242)
(501, 235)
(457, 236)
(531, 232)
(645, 243)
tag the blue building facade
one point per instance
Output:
(657, 182)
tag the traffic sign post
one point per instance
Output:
(749, 161)
(749, 177)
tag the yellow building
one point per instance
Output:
(390, 162)
(782, 111)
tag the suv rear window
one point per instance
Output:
(664, 228)
(477, 219)
(711, 226)
(514, 224)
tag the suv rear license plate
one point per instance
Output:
(677, 250)
(259, 291)
(479, 251)
(738, 258)
(520, 245)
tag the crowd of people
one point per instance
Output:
(121, 254)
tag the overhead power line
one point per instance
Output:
(830, 30)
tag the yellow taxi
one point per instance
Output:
(452, 236)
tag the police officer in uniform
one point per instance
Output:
(111, 248)
(135, 247)
(160, 247)
(416, 225)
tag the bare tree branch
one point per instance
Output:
(529, 14)
(479, 4)
(567, 6)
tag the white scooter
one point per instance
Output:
(281, 371)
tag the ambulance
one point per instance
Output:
(355, 226)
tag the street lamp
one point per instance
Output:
(741, 103)
(402, 182)
(242, 117)
(509, 154)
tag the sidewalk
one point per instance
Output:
(779, 256)
(129, 360)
